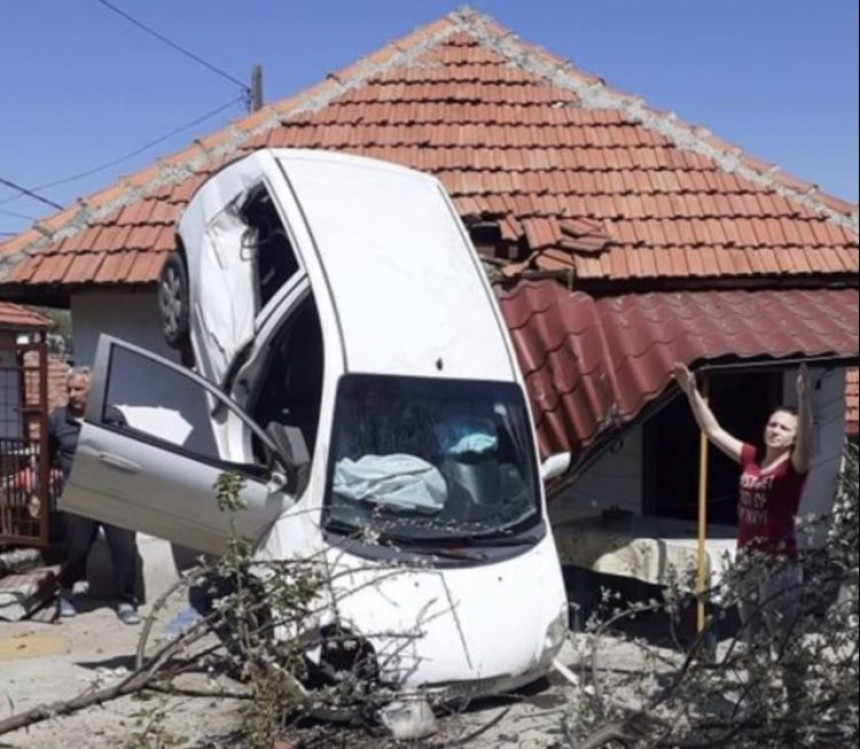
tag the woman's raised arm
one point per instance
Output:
(719, 437)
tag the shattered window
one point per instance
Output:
(275, 257)
(429, 459)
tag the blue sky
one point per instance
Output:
(83, 87)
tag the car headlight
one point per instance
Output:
(556, 631)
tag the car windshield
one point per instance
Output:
(418, 461)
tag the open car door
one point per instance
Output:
(157, 472)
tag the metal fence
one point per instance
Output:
(26, 500)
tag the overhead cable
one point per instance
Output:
(19, 215)
(30, 193)
(142, 148)
(175, 46)
(131, 154)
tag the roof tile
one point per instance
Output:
(22, 272)
(585, 358)
(83, 268)
(55, 267)
(18, 317)
(454, 99)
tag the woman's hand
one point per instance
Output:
(684, 377)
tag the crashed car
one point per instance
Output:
(351, 363)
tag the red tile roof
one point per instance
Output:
(17, 317)
(518, 136)
(581, 179)
(594, 363)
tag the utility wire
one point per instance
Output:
(19, 215)
(142, 148)
(119, 160)
(30, 194)
(175, 46)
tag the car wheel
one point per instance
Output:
(173, 304)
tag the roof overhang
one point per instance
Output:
(592, 365)
(18, 318)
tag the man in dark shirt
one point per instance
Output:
(64, 428)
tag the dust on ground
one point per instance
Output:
(58, 661)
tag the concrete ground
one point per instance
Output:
(48, 662)
(44, 662)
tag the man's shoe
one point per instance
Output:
(65, 607)
(127, 614)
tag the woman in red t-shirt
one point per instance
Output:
(771, 486)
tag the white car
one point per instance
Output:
(352, 364)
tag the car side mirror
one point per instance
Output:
(554, 465)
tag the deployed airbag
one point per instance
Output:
(397, 481)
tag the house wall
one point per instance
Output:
(614, 481)
(130, 316)
(828, 438)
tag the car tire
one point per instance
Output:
(173, 301)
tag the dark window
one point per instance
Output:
(741, 403)
(275, 258)
(290, 388)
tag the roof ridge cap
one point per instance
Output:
(594, 93)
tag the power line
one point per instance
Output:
(142, 148)
(175, 46)
(131, 154)
(31, 194)
(19, 215)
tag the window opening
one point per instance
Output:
(275, 257)
(741, 402)
(163, 406)
(290, 389)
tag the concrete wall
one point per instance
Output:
(130, 316)
(828, 439)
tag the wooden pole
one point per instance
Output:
(701, 560)
(256, 102)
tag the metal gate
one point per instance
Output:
(25, 485)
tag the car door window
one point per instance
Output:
(155, 470)
(267, 238)
(288, 387)
(169, 407)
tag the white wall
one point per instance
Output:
(828, 438)
(615, 480)
(132, 316)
